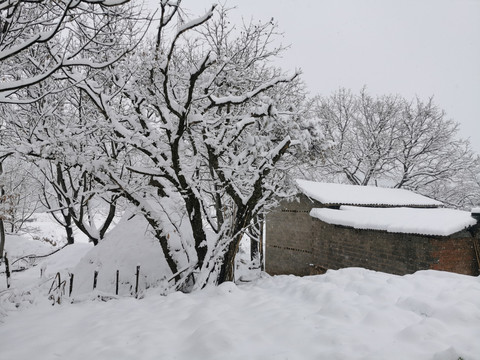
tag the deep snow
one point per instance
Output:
(346, 314)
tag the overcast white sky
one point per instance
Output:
(406, 47)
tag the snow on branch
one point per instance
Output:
(195, 22)
(274, 155)
(4, 5)
(187, 26)
(12, 85)
(38, 38)
(106, 2)
(240, 99)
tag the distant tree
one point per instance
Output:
(361, 133)
(22, 200)
(388, 139)
(462, 190)
(429, 150)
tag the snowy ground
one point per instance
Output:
(346, 314)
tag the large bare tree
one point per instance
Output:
(201, 108)
(389, 140)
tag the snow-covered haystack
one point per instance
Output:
(128, 245)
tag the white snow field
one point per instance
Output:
(345, 314)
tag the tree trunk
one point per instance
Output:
(227, 270)
(194, 212)
(260, 245)
(254, 246)
(2, 225)
(7, 270)
(69, 229)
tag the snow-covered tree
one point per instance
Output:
(53, 26)
(20, 199)
(429, 150)
(38, 41)
(62, 136)
(199, 107)
(388, 139)
(361, 132)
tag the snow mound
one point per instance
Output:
(17, 246)
(65, 259)
(128, 245)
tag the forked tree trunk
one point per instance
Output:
(254, 246)
(227, 269)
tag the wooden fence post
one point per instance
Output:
(116, 282)
(136, 281)
(71, 285)
(95, 274)
(7, 270)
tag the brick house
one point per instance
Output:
(332, 226)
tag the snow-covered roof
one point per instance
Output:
(341, 194)
(433, 221)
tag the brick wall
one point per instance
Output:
(289, 234)
(455, 255)
(337, 247)
(299, 244)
